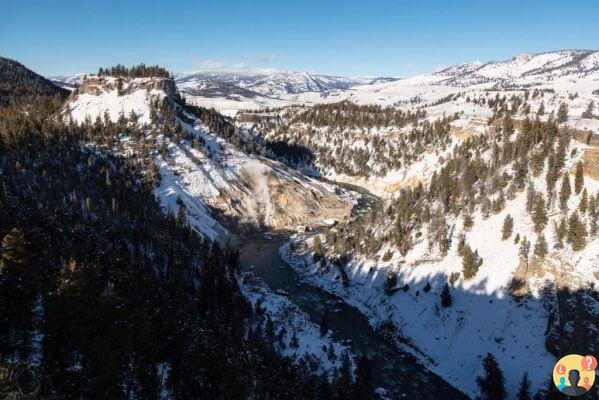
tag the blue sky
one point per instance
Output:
(384, 38)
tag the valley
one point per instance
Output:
(385, 237)
(464, 107)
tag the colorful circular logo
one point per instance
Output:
(574, 374)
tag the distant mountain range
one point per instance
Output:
(249, 84)
(267, 83)
(522, 70)
(68, 81)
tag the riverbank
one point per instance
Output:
(398, 372)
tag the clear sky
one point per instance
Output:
(384, 38)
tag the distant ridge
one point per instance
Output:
(20, 85)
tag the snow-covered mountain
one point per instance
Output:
(522, 70)
(68, 81)
(269, 83)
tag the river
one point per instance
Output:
(395, 370)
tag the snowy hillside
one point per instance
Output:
(523, 70)
(199, 168)
(392, 269)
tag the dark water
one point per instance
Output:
(397, 371)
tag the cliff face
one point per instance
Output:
(99, 96)
(214, 180)
(96, 85)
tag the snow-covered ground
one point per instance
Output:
(484, 316)
(289, 321)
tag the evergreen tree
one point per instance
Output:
(588, 113)
(565, 192)
(324, 322)
(492, 384)
(578, 178)
(470, 262)
(446, 299)
(576, 232)
(524, 390)
(363, 382)
(562, 113)
(561, 231)
(508, 226)
(324, 390)
(540, 249)
(427, 287)
(344, 381)
(539, 216)
(530, 197)
(294, 342)
(18, 287)
(584, 202)
(541, 110)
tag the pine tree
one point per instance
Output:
(576, 232)
(446, 299)
(492, 384)
(324, 322)
(584, 202)
(541, 247)
(539, 215)
(363, 382)
(541, 110)
(524, 390)
(19, 275)
(561, 230)
(427, 287)
(588, 113)
(530, 197)
(578, 178)
(182, 216)
(470, 262)
(508, 226)
(562, 113)
(565, 192)
(344, 380)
